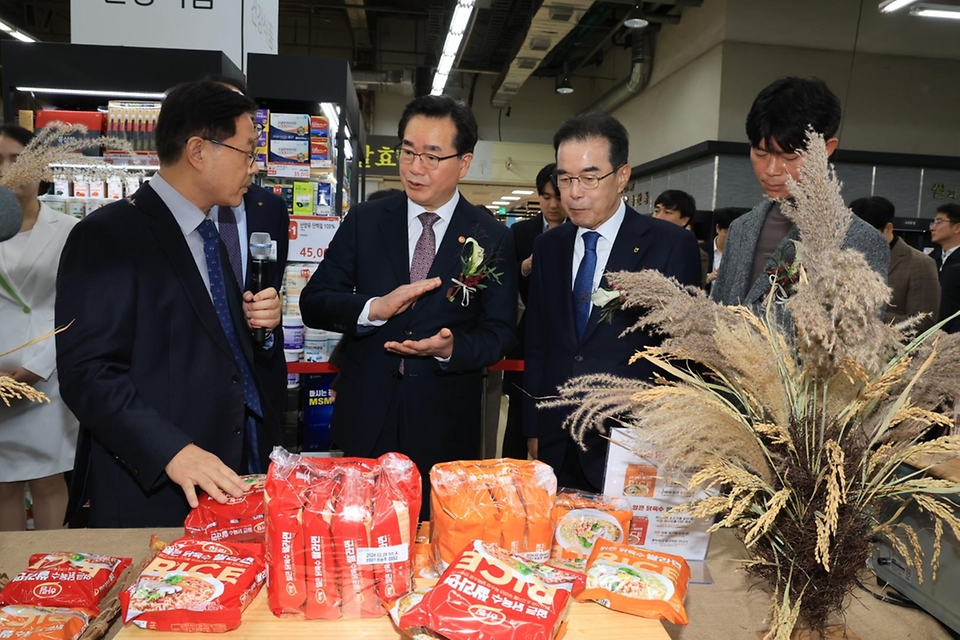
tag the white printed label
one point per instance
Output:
(383, 555)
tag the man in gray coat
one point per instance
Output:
(763, 239)
(914, 285)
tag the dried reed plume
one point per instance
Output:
(803, 413)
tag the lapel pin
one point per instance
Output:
(636, 249)
(461, 239)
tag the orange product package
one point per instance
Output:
(489, 594)
(64, 579)
(581, 518)
(195, 586)
(504, 502)
(238, 520)
(396, 506)
(323, 595)
(22, 622)
(283, 498)
(645, 583)
(352, 522)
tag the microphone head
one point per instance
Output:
(260, 245)
(11, 216)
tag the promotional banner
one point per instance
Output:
(236, 27)
(652, 496)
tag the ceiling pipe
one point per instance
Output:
(641, 60)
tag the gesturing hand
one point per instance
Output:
(400, 299)
(440, 345)
(193, 467)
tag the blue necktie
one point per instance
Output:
(211, 250)
(229, 233)
(583, 285)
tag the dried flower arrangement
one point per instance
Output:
(801, 412)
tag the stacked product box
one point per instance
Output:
(262, 122)
(285, 191)
(289, 137)
(319, 143)
(303, 198)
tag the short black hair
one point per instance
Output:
(203, 108)
(677, 200)
(440, 107)
(876, 211)
(382, 193)
(547, 174)
(23, 136)
(782, 112)
(724, 216)
(952, 211)
(230, 81)
(596, 124)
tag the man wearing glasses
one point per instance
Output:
(392, 282)
(945, 233)
(159, 361)
(565, 335)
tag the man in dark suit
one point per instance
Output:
(565, 334)
(416, 340)
(945, 233)
(525, 233)
(763, 239)
(912, 276)
(159, 363)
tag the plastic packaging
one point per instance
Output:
(238, 520)
(24, 622)
(581, 518)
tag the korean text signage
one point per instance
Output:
(236, 27)
(380, 156)
(310, 236)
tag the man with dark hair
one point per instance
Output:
(945, 233)
(760, 240)
(565, 335)
(912, 275)
(392, 281)
(722, 219)
(525, 234)
(678, 207)
(158, 363)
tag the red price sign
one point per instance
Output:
(310, 236)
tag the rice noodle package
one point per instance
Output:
(22, 622)
(64, 579)
(645, 583)
(238, 520)
(195, 586)
(340, 534)
(489, 594)
(504, 502)
(581, 518)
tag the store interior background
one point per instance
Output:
(898, 77)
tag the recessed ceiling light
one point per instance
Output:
(490, 206)
(522, 192)
(635, 23)
(949, 12)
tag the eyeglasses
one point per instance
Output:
(249, 154)
(587, 181)
(939, 221)
(429, 160)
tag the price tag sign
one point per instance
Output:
(288, 171)
(310, 236)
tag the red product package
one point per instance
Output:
(489, 594)
(23, 622)
(395, 509)
(238, 520)
(63, 579)
(323, 596)
(284, 554)
(195, 586)
(351, 542)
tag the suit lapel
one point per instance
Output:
(787, 248)
(393, 227)
(446, 264)
(172, 243)
(43, 232)
(898, 253)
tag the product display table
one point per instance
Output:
(727, 609)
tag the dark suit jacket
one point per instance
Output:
(950, 295)
(952, 260)
(525, 233)
(266, 213)
(369, 257)
(145, 366)
(914, 284)
(732, 286)
(554, 354)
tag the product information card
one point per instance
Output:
(637, 479)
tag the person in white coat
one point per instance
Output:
(37, 440)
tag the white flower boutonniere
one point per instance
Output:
(609, 302)
(476, 272)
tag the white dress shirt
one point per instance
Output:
(717, 256)
(608, 233)
(946, 254)
(189, 217)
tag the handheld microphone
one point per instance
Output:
(260, 247)
(11, 215)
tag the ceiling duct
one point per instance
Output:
(641, 64)
(393, 81)
(550, 24)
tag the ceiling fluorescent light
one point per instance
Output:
(461, 16)
(22, 37)
(889, 6)
(502, 203)
(523, 192)
(445, 66)
(452, 44)
(509, 197)
(144, 95)
(944, 11)
(490, 206)
(5, 27)
(439, 82)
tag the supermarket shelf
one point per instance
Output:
(326, 367)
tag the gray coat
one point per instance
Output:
(732, 286)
